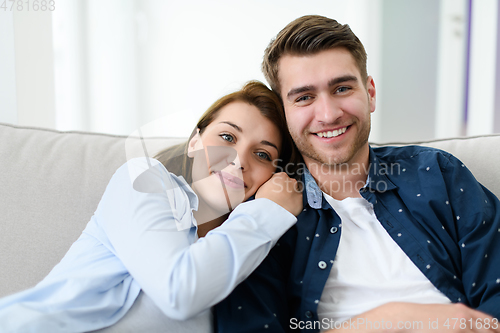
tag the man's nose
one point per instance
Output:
(327, 110)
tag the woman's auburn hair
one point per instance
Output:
(255, 93)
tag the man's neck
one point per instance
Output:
(344, 180)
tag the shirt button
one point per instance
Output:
(322, 264)
(333, 230)
(309, 314)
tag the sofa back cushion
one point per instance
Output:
(478, 153)
(51, 183)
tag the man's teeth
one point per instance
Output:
(331, 134)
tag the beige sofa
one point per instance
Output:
(51, 183)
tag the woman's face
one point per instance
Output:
(233, 156)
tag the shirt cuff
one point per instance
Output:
(271, 218)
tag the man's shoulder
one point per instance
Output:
(410, 154)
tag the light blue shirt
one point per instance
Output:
(143, 237)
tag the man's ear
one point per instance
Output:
(372, 94)
(194, 144)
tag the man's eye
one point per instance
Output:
(264, 156)
(227, 137)
(303, 98)
(342, 89)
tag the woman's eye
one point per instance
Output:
(227, 137)
(264, 156)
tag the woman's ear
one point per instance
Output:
(194, 144)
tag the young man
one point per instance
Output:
(403, 239)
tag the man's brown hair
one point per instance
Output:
(309, 35)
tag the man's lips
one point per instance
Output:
(231, 180)
(332, 133)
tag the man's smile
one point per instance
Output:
(332, 133)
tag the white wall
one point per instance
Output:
(451, 68)
(410, 31)
(26, 68)
(34, 68)
(113, 66)
(483, 61)
(71, 67)
(187, 59)
(8, 100)
(121, 64)
(496, 128)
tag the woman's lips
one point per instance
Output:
(231, 180)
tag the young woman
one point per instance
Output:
(150, 233)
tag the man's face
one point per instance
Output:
(327, 106)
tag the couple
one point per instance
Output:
(414, 227)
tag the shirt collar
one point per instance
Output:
(313, 193)
(192, 197)
(377, 181)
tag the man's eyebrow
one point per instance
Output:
(332, 82)
(341, 79)
(299, 90)
(236, 127)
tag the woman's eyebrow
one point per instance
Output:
(233, 125)
(264, 142)
(267, 143)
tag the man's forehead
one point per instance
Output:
(302, 69)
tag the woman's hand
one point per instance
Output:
(284, 191)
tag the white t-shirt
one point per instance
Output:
(370, 269)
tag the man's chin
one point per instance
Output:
(332, 159)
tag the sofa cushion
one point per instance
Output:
(51, 183)
(145, 316)
(478, 153)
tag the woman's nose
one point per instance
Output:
(239, 162)
(219, 157)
